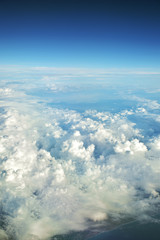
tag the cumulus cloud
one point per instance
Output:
(65, 171)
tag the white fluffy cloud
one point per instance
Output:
(64, 171)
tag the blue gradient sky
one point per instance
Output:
(94, 34)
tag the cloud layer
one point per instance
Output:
(65, 171)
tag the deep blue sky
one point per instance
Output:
(94, 34)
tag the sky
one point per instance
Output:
(79, 118)
(83, 34)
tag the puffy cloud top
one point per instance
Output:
(55, 162)
(64, 170)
